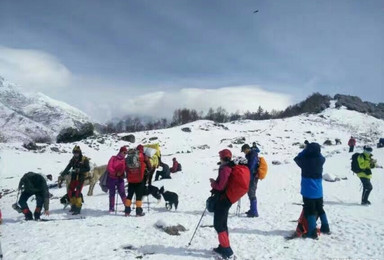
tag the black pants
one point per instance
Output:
(313, 207)
(162, 174)
(220, 215)
(136, 188)
(25, 196)
(367, 188)
(351, 149)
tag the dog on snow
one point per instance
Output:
(171, 198)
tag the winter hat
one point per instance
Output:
(140, 148)
(306, 142)
(367, 148)
(244, 147)
(225, 154)
(76, 149)
(123, 149)
(174, 159)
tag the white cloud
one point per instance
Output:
(33, 69)
(241, 98)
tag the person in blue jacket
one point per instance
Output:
(253, 164)
(311, 163)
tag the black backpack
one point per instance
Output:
(179, 167)
(355, 164)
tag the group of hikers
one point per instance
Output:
(132, 164)
(310, 161)
(230, 185)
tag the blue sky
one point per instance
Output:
(111, 58)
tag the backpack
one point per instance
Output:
(238, 182)
(133, 159)
(262, 170)
(133, 163)
(355, 164)
(179, 167)
(103, 181)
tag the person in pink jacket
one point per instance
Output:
(116, 169)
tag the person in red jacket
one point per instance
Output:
(175, 165)
(116, 170)
(136, 164)
(351, 144)
(220, 215)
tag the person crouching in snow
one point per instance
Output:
(34, 184)
(115, 180)
(311, 163)
(223, 205)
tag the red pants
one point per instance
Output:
(75, 187)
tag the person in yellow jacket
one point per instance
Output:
(366, 163)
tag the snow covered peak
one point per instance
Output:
(28, 116)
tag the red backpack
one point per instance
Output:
(134, 166)
(238, 183)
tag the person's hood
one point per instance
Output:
(313, 149)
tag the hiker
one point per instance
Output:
(165, 173)
(380, 143)
(115, 179)
(175, 166)
(220, 216)
(80, 167)
(254, 147)
(351, 144)
(34, 184)
(337, 141)
(137, 163)
(253, 162)
(311, 163)
(366, 163)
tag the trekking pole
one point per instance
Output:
(116, 201)
(238, 208)
(148, 202)
(198, 224)
(17, 196)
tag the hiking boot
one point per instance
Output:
(127, 211)
(139, 212)
(325, 229)
(250, 215)
(76, 210)
(72, 209)
(218, 249)
(27, 214)
(37, 215)
(365, 203)
(225, 252)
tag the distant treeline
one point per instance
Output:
(315, 103)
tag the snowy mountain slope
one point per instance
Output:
(357, 230)
(34, 115)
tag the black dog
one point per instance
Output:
(152, 190)
(171, 198)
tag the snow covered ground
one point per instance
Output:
(357, 231)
